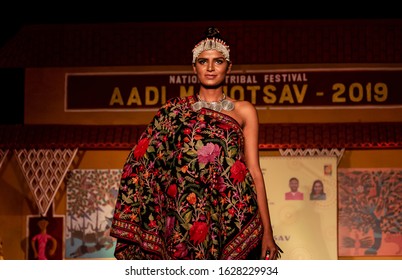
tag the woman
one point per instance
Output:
(192, 187)
(317, 191)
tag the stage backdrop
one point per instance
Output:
(305, 229)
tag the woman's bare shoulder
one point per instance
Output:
(244, 112)
(244, 106)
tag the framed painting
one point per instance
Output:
(370, 213)
(91, 196)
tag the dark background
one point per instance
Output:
(16, 15)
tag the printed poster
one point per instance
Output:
(304, 221)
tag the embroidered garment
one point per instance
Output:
(185, 190)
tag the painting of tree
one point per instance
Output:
(370, 212)
(91, 196)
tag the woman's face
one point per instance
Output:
(211, 68)
(318, 188)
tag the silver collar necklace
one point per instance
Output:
(224, 104)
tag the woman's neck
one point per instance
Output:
(215, 95)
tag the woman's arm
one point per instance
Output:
(250, 130)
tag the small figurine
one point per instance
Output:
(39, 241)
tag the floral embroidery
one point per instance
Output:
(185, 191)
(172, 190)
(198, 232)
(141, 148)
(208, 153)
(238, 172)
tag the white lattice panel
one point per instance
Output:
(44, 171)
(3, 156)
(313, 152)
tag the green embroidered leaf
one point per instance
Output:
(199, 145)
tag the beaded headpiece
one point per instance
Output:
(211, 43)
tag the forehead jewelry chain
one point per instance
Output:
(224, 104)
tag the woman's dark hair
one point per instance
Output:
(212, 32)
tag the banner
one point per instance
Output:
(284, 88)
(304, 220)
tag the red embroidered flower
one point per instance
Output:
(152, 224)
(141, 148)
(126, 209)
(238, 172)
(231, 211)
(240, 205)
(127, 170)
(180, 156)
(224, 126)
(172, 190)
(181, 251)
(198, 232)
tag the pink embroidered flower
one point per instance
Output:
(208, 153)
(220, 185)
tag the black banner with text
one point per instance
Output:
(272, 88)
